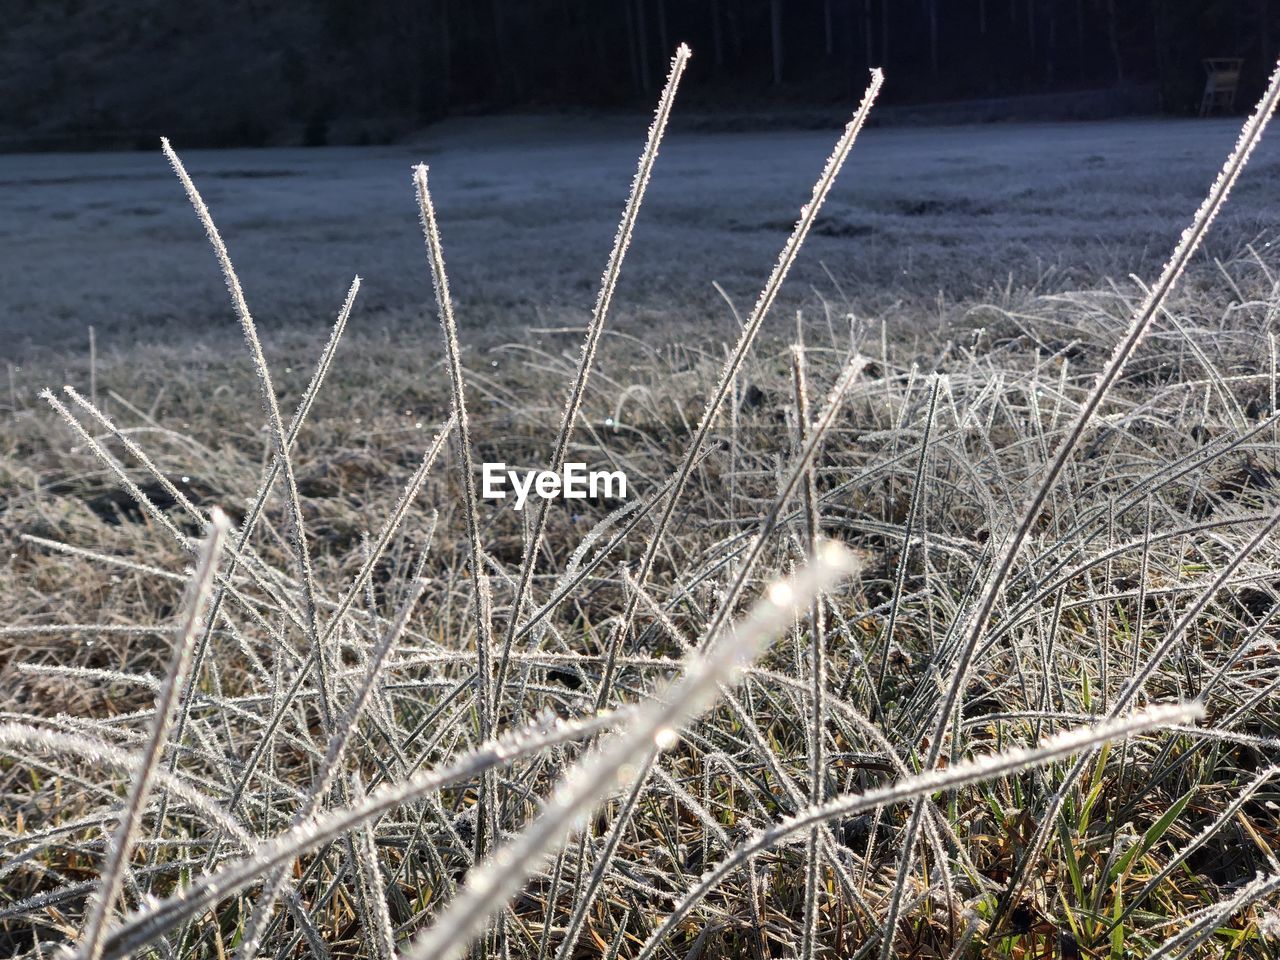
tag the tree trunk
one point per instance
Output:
(664, 39)
(828, 24)
(1264, 35)
(717, 34)
(982, 17)
(884, 33)
(1049, 51)
(446, 45)
(851, 44)
(869, 33)
(933, 36)
(499, 47)
(1113, 38)
(775, 34)
(642, 47)
(735, 32)
(632, 44)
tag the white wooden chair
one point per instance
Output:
(1222, 77)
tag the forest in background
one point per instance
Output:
(117, 73)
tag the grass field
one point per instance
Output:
(531, 205)
(952, 617)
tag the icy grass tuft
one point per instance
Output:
(894, 717)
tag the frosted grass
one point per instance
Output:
(122, 842)
(620, 761)
(1040, 552)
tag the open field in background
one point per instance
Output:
(531, 207)
(919, 475)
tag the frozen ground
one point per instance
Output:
(528, 208)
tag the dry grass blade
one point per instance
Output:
(275, 884)
(122, 842)
(900, 576)
(971, 771)
(205, 890)
(1010, 550)
(377, 918)
(573, 404)
(750, 329)
(817, 654)
(470, 504)
(298, 536)
(617, 763)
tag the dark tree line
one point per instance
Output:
(517, 52)
(250, 71)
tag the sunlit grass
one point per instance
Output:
(398, 718)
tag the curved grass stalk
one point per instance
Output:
(275, 885)
(486, 822)
(621, 241)
(1009, 553)
(617, 763)
(936, 781)
(1183, 944)
(298, 535)
(1048, 822)
(207, 889)
(122, 842)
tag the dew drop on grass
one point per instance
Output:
(780, 594)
